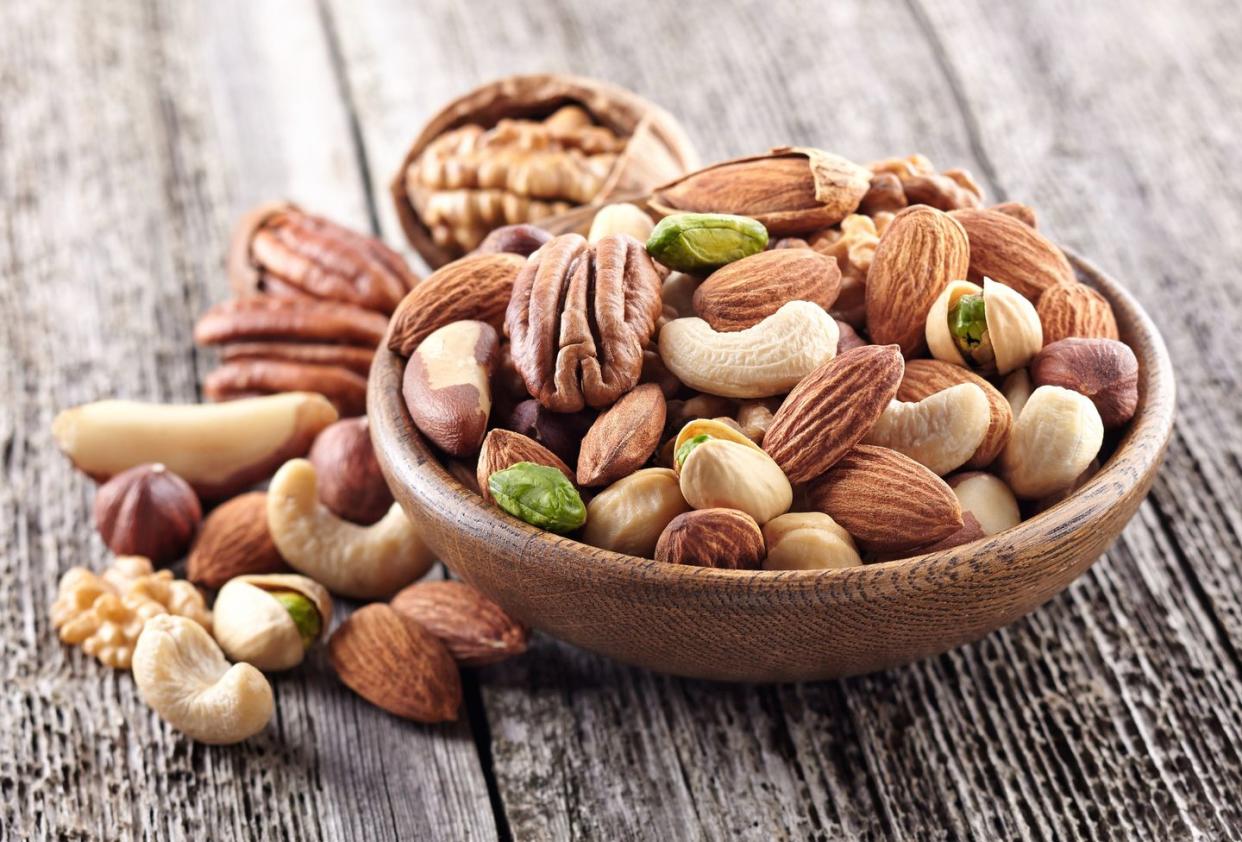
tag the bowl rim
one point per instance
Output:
(1129, 465)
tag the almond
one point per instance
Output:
(922, 250)
(789, 190)
(396, 664)
(234, 541)
(623, 438)
(832, 409)
(1075, 310)
(447, 385)
(887, 501)
(926, 377)
(1008, 250)
(723, 538)
(476, 630)
(476, 287)
(505, 448)
(745, 292)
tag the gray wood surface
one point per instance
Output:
(131, 133)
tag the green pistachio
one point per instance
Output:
(690, 242)
(688, 445)
(539, 495)
(968, 323)
(304, 613)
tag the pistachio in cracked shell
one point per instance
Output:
(539, 495)
(991, 329)
(718, 473)
(629, 515)
(270, 621)
(692, 242)
(447, 385)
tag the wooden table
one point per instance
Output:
(132, 133)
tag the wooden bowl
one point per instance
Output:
(778, 625)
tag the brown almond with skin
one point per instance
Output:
(848, 338)
(886, 500)
(623, 437)
(1023, 213)
(347, 472)
(831, 409)
(745, 292)
(926, 377)
(476, 287)
(476, 630)
(922, 250)
(396, 664)
(1075, 310)
(1104, 370)
(234, 541)
(789, 190)
(1008, 250)
(504, 449)
(447, 385)
(724, 538)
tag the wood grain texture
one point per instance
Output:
(131, 134)
(119, 193)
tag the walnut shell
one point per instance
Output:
(655, 147)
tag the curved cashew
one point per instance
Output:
(767, 359)
(808, 541)
(987, 498)
(1053, 441)
(940, 432)
(363, 562)
(183, 676)
(724, 474)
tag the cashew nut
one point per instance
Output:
(219, 448)
(719, 473)
(183, 676)
(987, 498)
(1012, 332)
(1017, 390)
(629, 515)
(620, 218)
(363, 562)
(759, 362)
(808, 541)
(1053, 441)
(940, 432)
(270, 621)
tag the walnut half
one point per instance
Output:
(579, 319)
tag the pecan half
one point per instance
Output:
(271, 318)
(347, 390)
(280, 246)
(579, 319)
(351, 357)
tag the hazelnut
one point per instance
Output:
(712, 538)
(1104, 370)
(559, 432)
(147, 511)
(523, 239)
(350, 481)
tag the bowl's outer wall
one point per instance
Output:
(777, 626)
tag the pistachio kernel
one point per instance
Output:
(304, 613)
(690, 242)
(969, 327)
(539, 495)
(683, 452)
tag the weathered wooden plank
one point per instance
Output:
(132, 134)
(1111, 712)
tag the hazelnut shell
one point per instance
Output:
(147, 511)
(350, 481)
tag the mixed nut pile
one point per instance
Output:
(786, 361)
(806, 363)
